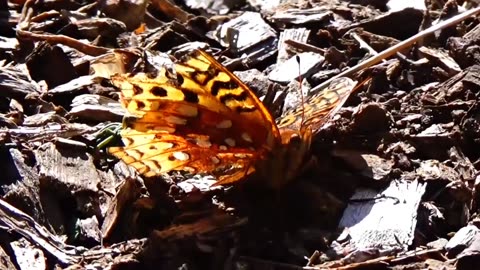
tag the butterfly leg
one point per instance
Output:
(311, 163)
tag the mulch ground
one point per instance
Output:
(392, 183)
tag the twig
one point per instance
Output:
(304, 46)
(267, 263)
(65, 40)
(364, 45)
(15, 220)
(398, 47)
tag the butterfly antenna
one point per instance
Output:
(300, 79)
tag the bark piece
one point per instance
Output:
(28, 256)
(96, 108)
(465, 49)
(7, 261)
(42, 119)
(8, 44)
(290, 69)
(246, 33)
(18, 222)
(371, 166)
(469, 258)
(92, 28)
(462, 239)
(15, 221)
(268, 6)
(296, 34)
(117, 61)
(130, 12)
(442, 59)
(212, 6)
(434, 170)
(256, 80)
(403, 24)
(172, 10)
(317, 15)
(61, 166)
(454, 88)
(24, 190)
(75, 85)
(214, 223)
(51, 64)
(167, 36)
(15, 83)
(88, 230)
(126, 195)
(383, 220)
(371, 118)
(49, 132)
(397, 5)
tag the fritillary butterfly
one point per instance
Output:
(205, 120)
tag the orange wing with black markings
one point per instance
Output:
(319, 108)
(202, 120)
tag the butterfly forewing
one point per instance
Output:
(203, 119)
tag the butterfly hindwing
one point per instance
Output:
(152, 153)
(318, 108)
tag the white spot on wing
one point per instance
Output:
(189, 169)
(176, 120)
(160, 128)
(203, 143)
(224, 124)
(222, 147)
(215, 159)
(188, 111)
(230, 142)
(168, 145)
(180, 156)
(247, 137)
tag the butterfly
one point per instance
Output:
(201, 118)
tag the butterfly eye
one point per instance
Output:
(152, 74)
(295, 138)
(170, 73)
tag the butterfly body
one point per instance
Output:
(203, 119)
(286, 160)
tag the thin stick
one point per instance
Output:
(301, 89)
(65, 40)
(398, 47)
(364, 45)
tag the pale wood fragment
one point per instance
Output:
(383, 219)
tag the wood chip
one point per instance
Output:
(59, 166)
(246, 33)
(290, 70)
(383, 219)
